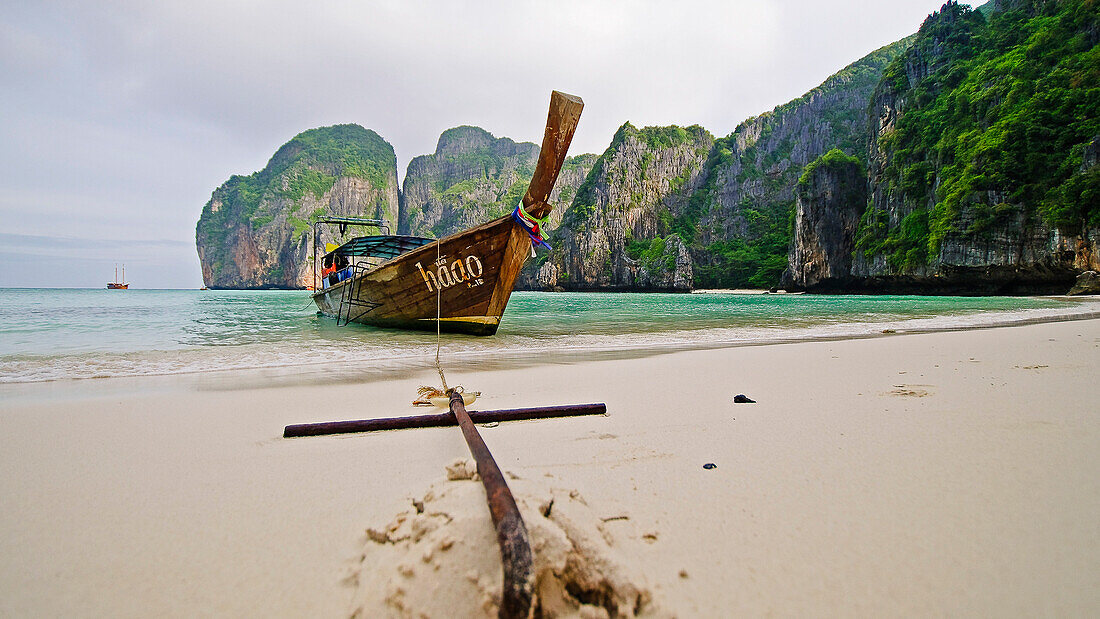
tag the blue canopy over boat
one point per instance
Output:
(380, 246)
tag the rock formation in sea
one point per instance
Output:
(832, 194)
(255, 230)
(1087, 283)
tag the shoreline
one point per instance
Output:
(940, 473)
(635, 346)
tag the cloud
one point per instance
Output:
(126, 115)
(69, 247)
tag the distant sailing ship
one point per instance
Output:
(118, 284)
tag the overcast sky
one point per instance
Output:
(118, 119)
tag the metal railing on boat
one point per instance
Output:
(349, 296)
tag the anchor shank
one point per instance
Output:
(515, 548)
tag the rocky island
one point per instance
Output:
(255, 230)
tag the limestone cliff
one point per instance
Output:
(255, 230)
(738, 224)
(471, 178)
(573, 174)
(832, 194)
(727, 205)
(474, 177)
(979, 171)
(617, 234)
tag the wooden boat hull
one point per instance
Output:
(469, 276)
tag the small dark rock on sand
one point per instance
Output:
(743, 399)
(710, 465)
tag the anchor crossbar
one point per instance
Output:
(438, 420)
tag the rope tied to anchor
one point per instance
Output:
(425, 393)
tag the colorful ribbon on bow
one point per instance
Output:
(533, 225)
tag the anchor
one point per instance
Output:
(515, 547)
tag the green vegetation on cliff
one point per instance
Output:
(832, 159)
(307, 164)
(667, 137)
(741, 263)
(600, 178)
(752, 173)
(754, 259)
(471, 177)
(998, 125)
(651, 254)
(265, 215)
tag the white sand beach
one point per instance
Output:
(952, 473)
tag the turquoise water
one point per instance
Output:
(52, 334)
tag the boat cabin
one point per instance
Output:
(364, 253)
(360, 254)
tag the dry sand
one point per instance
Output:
(908, 475)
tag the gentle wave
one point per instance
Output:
(185, 332)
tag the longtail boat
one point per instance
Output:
(464, 280)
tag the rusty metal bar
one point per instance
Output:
(515, 548)
(440, 420)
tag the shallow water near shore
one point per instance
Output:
(58, 334)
